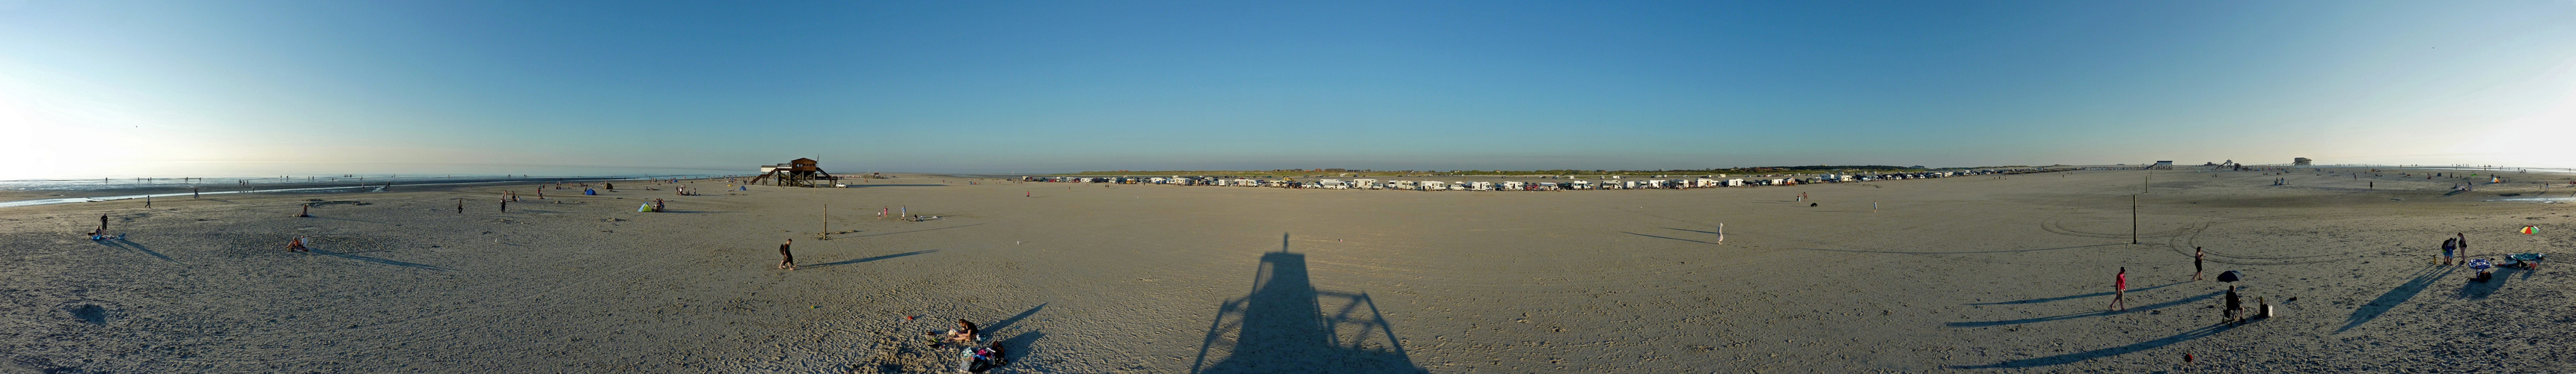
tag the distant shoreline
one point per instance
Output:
(15, 196)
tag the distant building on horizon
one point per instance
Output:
(2301, 161)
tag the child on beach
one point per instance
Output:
(2120, 290)
(2448, 246)
(2464, 244)
(786, 260)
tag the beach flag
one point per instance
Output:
(2528, 230)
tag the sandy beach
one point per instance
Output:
(1970, 274)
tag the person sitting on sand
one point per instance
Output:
(966, 333)
(297, 246)
(2235, 305)
(786, 260)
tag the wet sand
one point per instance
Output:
(1954, 274)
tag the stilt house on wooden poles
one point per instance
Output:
(799, 173)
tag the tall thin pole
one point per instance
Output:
(2133, 219)
(827, 220)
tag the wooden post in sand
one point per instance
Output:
(827, 223)
(2133, 219)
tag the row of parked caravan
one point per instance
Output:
(1613, 183)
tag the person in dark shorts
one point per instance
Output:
(786, 260)
(2195, 263)
(2464, 244)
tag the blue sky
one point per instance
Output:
(112, 88)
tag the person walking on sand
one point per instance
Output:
(2196, 259)
(786, 260)
(2120, 290)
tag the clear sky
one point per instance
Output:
(173, 88)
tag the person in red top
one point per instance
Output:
(2120, 290)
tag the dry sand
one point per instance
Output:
(1957, 274)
